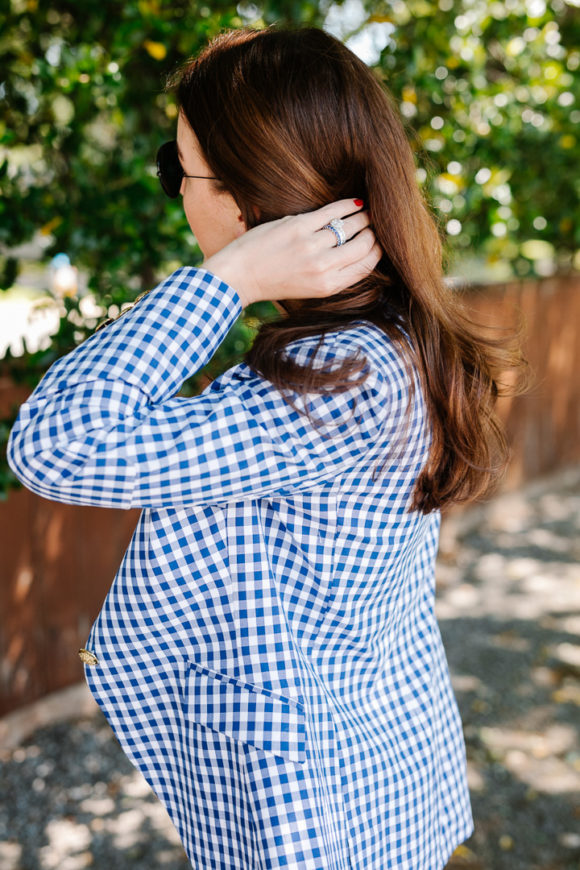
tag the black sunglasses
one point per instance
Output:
(170, 171)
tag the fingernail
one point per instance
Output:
(358, 202)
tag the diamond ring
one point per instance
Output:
(337, 227)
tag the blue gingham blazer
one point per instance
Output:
(268, 654)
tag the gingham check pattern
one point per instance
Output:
(268, 654)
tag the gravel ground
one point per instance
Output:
(508, 605)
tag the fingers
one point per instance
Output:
(364, 255)
(337, 267)
(354, 227)
(344, 265)
(355, 224)
(340, 256)
(361, 268)
(314, 220)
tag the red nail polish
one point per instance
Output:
(358, 202)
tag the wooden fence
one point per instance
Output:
(58, 561)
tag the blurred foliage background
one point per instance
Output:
(488, 92)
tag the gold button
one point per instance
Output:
(88, 657)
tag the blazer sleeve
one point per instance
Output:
(104, 426)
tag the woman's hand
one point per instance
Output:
(294, 258)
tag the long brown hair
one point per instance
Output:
(290, 119)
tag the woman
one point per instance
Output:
(268, 654)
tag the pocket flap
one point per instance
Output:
(246, 712)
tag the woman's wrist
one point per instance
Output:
(230, 273)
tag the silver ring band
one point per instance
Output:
(336, 233)
(337, 227)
